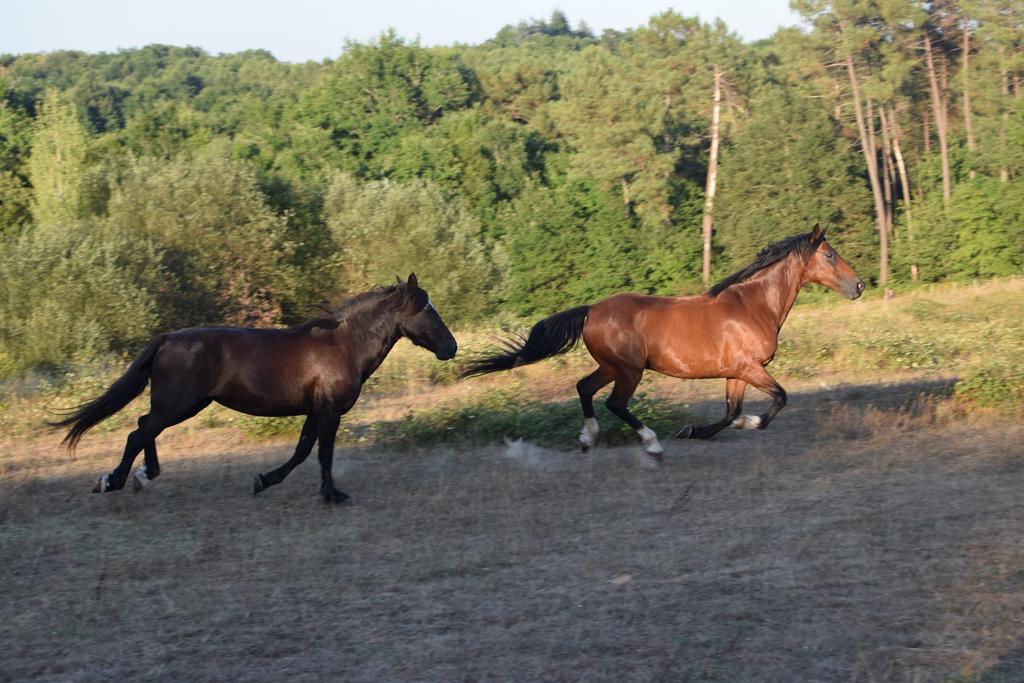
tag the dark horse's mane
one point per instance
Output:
(773, 253)
(348, 309)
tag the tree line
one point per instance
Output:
(163, 187)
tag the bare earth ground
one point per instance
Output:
(855, 540)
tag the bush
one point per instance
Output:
(73, 294)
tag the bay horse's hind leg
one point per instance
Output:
(302, 449)
(734, 389)
(586, 388)
(759, 378)
(625, 384)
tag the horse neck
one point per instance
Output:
(775, 288)
(371, 335)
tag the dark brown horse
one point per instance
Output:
(731, 331)
(315, 369)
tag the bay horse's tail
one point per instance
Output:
(551, 336)
(121, 392)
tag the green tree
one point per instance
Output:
(227, 256)
(73, 294)
(15, 143)
(806, 175)
(379, 92)
(57, 164)
(383, 229)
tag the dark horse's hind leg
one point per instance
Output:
(587, 387)
(302, 449)
(327, 428)
(625, 384)
(150, 469)
(734, 389)
(143, 438)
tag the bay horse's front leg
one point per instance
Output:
(327, 428)
(759, 378)
(734, 389)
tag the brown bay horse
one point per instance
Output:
(315, 369)
(729, 332)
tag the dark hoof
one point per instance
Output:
(338, 498)
(685, 433)
(583, 447)
(257, 484)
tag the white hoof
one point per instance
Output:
(747, 422)
(651, 443)
(102, 484)
(140, 480)
(588, 435)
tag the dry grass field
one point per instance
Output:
(873, 533)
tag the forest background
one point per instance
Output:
(163, 187)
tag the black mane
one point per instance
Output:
(360, 303)
(773, 253)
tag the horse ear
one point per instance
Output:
(816, 233)
(417, 301)
(399, 280)
(412, 281)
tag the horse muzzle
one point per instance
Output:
(448, 353)
(855, 289)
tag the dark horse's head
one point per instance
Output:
(826, 267)
(420, 323)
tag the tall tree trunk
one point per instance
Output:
(709, 190)
(876, 190)
(927, 133)
(1004, 171)
(905, 184)
(940, 118)
(890, 172)
(968, 127)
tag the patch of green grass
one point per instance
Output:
(513, 414)
(999, 386)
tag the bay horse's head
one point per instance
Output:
(826, 267)
(420, 323)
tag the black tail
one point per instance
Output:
(551, 336)
(127, 387)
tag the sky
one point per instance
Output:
(301, 30)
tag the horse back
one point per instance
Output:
(688, 337)
(257, 370)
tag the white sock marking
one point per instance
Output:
(588, 435)
(650, 439)
(747, 422)
(141, 477)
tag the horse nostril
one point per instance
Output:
(860, 286)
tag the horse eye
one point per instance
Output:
(830, 255)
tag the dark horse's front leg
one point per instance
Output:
(734, 389)
(302, 449)
(328, 428)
